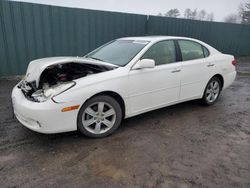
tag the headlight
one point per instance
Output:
(39, 96)
(57, 89)
(43, 95)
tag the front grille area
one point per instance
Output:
(26, 89)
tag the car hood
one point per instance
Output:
(36, 67)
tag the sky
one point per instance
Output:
(220, 8)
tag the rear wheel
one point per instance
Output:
(212, 91)
(99, 116)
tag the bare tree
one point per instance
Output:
(174, 13)
(245, 13)
(210, 17)
(232, 18)
(201, 15)
(241, 10)
(188, 13)
(194, 14)
(198, 15)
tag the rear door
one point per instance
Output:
(196, 69)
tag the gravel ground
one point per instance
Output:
(185, 145)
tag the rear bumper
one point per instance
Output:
(44, 117)
(229, 79)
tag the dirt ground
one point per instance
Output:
(186, 145)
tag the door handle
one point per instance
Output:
(210, 65)
(177, 70)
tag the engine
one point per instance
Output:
(58, 76)
(55, 74)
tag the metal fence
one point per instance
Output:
(228, 38)
(30, 31)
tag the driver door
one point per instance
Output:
(152, 88)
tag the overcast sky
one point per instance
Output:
(220, 8)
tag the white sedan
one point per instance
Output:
(120, 79)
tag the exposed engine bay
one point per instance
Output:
(57, 78)
(55, 74)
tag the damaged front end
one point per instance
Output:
(41, 95)
(57, 78)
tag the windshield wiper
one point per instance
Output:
(101, 60)
(96, 59)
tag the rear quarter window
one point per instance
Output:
(191, 50)
(205, 51)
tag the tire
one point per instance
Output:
(212, 91)
(100, 116)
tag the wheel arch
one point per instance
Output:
(114, 95)
(220, 77)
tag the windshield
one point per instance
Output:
(118, 52)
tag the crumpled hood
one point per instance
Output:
(36, 67)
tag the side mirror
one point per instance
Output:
(144, 63)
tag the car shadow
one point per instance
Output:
(129, 123)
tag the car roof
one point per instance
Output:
(154, 38)
(157, 38)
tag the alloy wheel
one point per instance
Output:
(212, 91)
(99, 117)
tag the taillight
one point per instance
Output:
(234, 62)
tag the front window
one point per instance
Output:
(118, 52)
(162, 53)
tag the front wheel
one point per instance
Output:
(99, 116)
(212, 91)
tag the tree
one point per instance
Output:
(245, 13)
(202, 15)
(232, 18)
(210, 17)
(194, 14)
(174, 13)
(188, 13)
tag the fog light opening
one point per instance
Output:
(39, 124)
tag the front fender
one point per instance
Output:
(82, 91)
